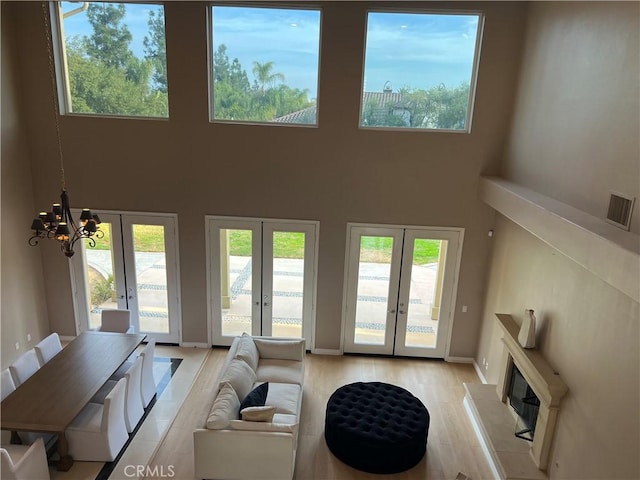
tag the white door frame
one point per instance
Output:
(454, 257)
(351, 286)
(213, 223)
(214, 267)
(79, 281)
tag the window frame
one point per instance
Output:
(474, 68)
(61, 67)
(211, 51)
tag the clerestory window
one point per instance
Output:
(113, 58)
(265, 64)
(420, 70)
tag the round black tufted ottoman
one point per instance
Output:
(376, 427)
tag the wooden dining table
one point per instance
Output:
(53, 396)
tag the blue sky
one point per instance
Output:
(408, 50)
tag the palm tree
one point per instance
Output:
(264, 75)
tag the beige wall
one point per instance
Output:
(335, 174)
(24, 310)
(590, 334)
(574, 137)
(576, 121)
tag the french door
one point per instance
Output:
(400, 289)
(262, 276)
(132, 266)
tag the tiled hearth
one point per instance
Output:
(495, 421)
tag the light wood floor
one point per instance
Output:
(452, 446)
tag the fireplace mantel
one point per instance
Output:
(545, 382)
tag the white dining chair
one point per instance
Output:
(48, 348)
(24, 462)
(133, 408)
(7, 387)
(27, 438)
(99, 432)
(24, 366)
(148, 383)
(6, 383)
(114, 320)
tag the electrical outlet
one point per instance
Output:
(28, 337)
(17, 345)
(484, 361)
(486, 366)
(464, 309)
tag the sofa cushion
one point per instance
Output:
(247, 351)
(256, 397)
(264, 426)
(285, 397)
(281, 371)
(282, 349)
(224, 409)
(264, 413)
(240, 375)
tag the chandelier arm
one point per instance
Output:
(33, 241)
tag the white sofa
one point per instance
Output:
(227, 447)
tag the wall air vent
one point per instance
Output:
(620, 210)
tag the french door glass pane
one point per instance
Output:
(100, 277)
(236, 280)
(288, 284)
(374, 271)
(151, 278)
(425, 291)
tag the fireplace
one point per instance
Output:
(529, 386)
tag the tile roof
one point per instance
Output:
(384, 100)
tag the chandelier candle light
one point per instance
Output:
(58, 224)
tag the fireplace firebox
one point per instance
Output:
(525, 403)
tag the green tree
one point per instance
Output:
(235, 99)
(265, 76)
(436, 108)
(109, 42)
(155, 49)
(105, 76)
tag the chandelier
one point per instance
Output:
(58, 223)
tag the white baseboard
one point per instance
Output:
(458, 359)
(325, 351)
(195, 345)
(480, 373)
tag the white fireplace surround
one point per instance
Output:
(515, 458)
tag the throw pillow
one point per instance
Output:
(258, 414)
(247, 351)
(280, 349)
(240, 375)
(224, 409)
(256, 397)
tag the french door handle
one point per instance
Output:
(401, 312)
(266, 304)
(392, 311)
